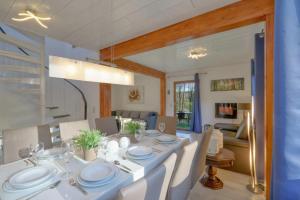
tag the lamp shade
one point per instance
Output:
(60, 67)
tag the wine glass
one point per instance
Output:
(138, 135)
(162, 127)
(37, 149)
(67, 156)
(103, 146)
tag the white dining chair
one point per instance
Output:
(16, 140)
(181, 181)
(154, 186)
(107, 125)
(69, 130)
(200, 158)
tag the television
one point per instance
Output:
(226, 110)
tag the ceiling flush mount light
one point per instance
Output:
(60, 67)
(27, 15)
(197, 53)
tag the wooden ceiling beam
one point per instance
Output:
(138, 68)
(231, 16)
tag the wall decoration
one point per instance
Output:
(135, 94)
(227, 84)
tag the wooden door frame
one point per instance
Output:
(241, 13)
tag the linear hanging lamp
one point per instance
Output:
(60, 67)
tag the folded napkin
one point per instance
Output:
(136, 170)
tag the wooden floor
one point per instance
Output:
(234, 189)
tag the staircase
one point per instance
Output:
(23, 76)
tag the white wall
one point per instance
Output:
(151, 95)
(208, 98)
(59, 93)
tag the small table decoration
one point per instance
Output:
(88, 141)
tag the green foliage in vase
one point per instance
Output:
(132, 127)
(88, 139)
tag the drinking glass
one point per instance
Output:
(35, 150)
(67, 156)
(162, 127)
(70, 150)
(103, 146)
(138, 135)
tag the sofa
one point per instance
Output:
(149, 117)
(235, 138)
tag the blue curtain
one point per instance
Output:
(196, 121)
(286, 136)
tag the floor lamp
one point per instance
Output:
(253, 186)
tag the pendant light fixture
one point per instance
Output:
(60, 67)
(28, 14)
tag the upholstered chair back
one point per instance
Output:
(107, 125)
(170, 123)
(200, 157)
(154, 186)
(181, 182)
(17, 140)
(69, 130)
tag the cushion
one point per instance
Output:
(134, 114)
(144, 115)
(228, 133)
(242, 131)
(126, 114)
(118, 112)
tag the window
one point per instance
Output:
(183, 98)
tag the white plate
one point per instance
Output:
(98, 183)
(140, 157)
(153, 133)
(164, 138)
(98, 171)
(51, 152)
(31, 177)
(8, 188)
(138, 151)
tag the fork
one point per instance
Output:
(75, 184)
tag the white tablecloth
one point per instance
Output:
(110, 191)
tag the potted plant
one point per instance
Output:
(131, 128)
(88, 141)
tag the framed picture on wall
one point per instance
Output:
(135, 94)
(227, 84)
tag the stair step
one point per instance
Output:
(20, 43)
(18, 56)
(52, 107)
(29, 81)
(30, 91)
(61, 116)
(15, 68)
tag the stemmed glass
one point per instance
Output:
(138, 135)
(103, 146)
(67, 156)
(34, 151)
(162, 127)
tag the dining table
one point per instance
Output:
(65, 190)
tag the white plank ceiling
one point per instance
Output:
(224, 49)
(95, 24)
